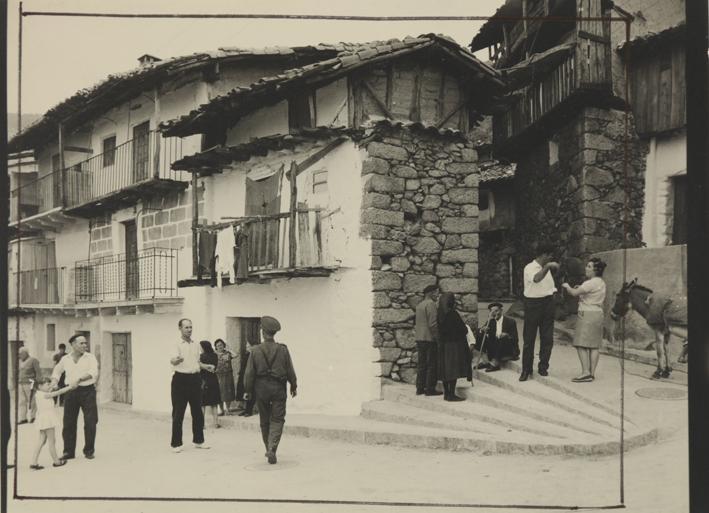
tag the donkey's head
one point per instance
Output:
(622, 300)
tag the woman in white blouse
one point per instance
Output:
(588, 335)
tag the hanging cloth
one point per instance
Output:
(225, 255)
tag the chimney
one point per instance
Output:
(148, 60)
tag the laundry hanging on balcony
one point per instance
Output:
(225, 258)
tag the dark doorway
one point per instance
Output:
(141, 152)
(679, 210)
(122, 387)
(132, 268)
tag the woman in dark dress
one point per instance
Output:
(454, 354)
(210, 384)
(225, 375)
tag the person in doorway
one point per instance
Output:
(47, 421)
(501, 340)
(453, 345)
(210, 383)
(539, 307)
(186, 387)
(267, 371)
(588, 334)
(249, 404)
(426, 332)
(5, 419)
(62, 379)
(225, 375)
(81, 370)
(29, 372)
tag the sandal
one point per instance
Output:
(36, 467)
(583, 379)
(60, 464)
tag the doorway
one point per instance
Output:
(122, 386)
(141, 152)
(131, 258)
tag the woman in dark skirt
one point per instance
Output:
(210, 384)
(454, 354)
(225, 375)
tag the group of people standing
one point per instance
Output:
(445, 344)
(195, 382)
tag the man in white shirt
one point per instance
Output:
(81, 370)
(186, 387)
(539, 289)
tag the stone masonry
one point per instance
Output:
(101, 236)
(167, 220)
(579, 203)
(420, 209)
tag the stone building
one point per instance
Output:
(385, 202)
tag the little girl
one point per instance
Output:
(46, 420)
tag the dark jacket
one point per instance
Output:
(269, 361)
(454, 354)
(508, 346)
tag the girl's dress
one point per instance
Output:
(47, 417)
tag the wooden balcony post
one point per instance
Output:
(292, 246)
(62, 166)
(195, 223)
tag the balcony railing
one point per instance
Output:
(37, 196)
(128, 164)
(586, 68)
(37, 287)
(134, 162)
(147, 274)
(267, 243)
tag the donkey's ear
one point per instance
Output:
(634, 281)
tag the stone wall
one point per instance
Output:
(420, 209)
(101, 236)
(496, 247)
(578, 203)
(167, 220)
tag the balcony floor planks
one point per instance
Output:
(266, 275)
(125, 307)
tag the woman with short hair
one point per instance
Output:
(588, 335)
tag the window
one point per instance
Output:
(51, 337)
(679, 209)
(320, 181)
(109, 151)
(301, 112)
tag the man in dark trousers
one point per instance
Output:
(426, 333)
(539, 308)
(186, 387)
(81, 368)
(500, 338)
(267, 371)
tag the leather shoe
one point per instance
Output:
(433, 392)
(89, 456)
(481, 366)
(492, 368)
(271, 457)
(543, 372)
(419, 392)
(525, 376)
(454, 398)
(67, 457)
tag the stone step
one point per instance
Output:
(551, 393)
(536, 408)
(499, 417)
(402, 413)
(567, 390)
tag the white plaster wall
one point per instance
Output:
(71, 244)
(331, 104)
(267, 121)
(667, 158)
(225, 194)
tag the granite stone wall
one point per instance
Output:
(167, 220)
(579, 202)
(101, 236)
(420, 209)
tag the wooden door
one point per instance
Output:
(263, 199)
(122, 387)
(141, 152)
(131, 259)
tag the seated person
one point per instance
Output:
(501, 343)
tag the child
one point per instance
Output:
(47, 420)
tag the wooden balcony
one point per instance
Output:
(37, 204)
(583, 73)
(36, 287)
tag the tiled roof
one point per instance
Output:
(116, 87)
(270, 89)
(493, 171)
(649, 40)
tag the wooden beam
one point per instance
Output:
(195, 222)
(305, 164)
(78, 149)
(593, 37)
(416, 104)
(451, 114)
(292, 246)
(379, 103)
(62, 165)
(390, 87)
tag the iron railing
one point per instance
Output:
(147, 274)
(136, 161)
(133, 162)
(37, 287)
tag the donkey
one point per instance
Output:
(665, 315)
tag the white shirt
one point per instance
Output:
(498, 331)
(86, 364)
(593, 293)
(535, 290)
(189, 351)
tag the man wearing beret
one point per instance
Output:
(268, 369)
(426, 332)
(501, 339)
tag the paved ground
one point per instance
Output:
(134, 460)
